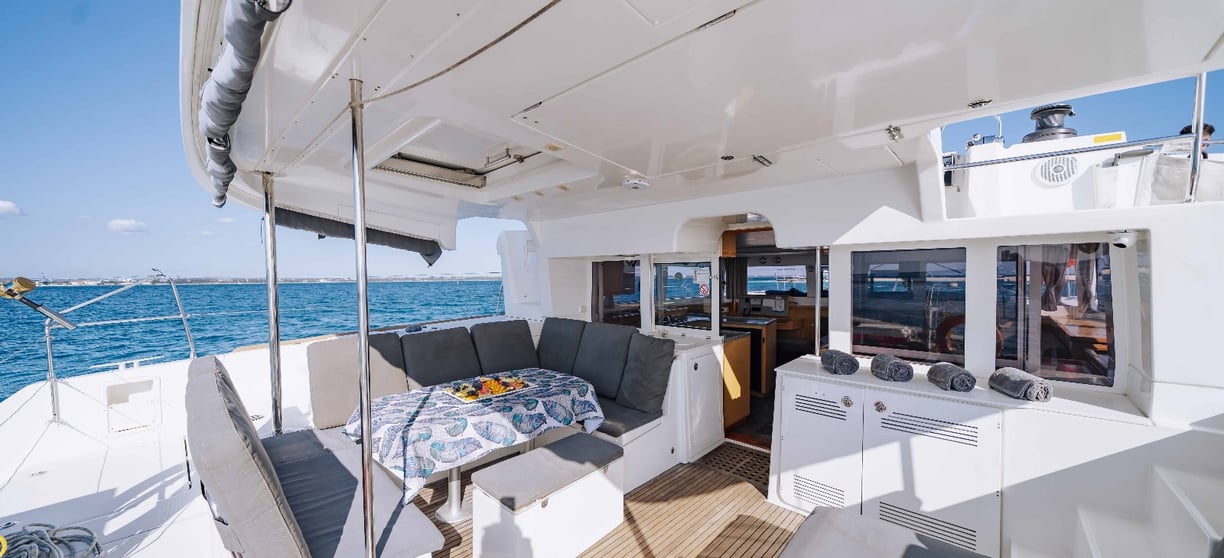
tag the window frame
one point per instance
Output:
(982, 249)
(715, 294)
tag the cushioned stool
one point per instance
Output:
(553, 501)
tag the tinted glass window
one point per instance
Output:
(910, 303)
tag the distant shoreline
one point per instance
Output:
(260, 281)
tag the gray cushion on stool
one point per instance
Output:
(559, 343)
(602, 355)
(646, 373)
(847, 534)
(503, 346)
(437, 357)
(521, 480)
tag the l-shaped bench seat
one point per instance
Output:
(629, 371)
(294, 495)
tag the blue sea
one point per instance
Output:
(222, 317)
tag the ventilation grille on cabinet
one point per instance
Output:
(955, 432)
(921, 523)
(818, 406)
(820, 494)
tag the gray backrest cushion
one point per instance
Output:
(503, 346)
(647, 371)
(559, 339)
(437, 357)
(332, 371)
(601, 356)
(236, 471)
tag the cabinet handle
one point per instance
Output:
(846, 401)
(879, 407)
(694, 366)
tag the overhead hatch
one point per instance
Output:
(453, 153)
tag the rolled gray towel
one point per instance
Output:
(1014, 382)
(891, 368)
(949, 376)
(838, 362)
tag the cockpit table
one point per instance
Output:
(424, 430)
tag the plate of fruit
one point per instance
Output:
(484, 387)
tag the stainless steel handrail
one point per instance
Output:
(50, 325)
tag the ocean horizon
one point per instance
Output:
(222, 317)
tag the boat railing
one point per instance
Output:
(50, 324)
(1196, 151)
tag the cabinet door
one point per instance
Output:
(821, 444)
(934, 467)
(705, 405)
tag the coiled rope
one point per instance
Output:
(43, 540)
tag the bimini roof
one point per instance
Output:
(542, 109)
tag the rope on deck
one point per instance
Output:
(43, 540)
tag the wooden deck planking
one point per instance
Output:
(692, 510)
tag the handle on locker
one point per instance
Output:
(694, 366)
(880, 407)
(846, 401)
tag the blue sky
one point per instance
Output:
(89, 105)
(95, 183)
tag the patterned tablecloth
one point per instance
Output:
(421, 431)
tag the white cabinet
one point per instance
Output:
(821, 444)
(705, 398)
(701, 413)
(930, 465)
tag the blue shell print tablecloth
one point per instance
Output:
(421, 431)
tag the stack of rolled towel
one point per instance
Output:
(1016, 383)
(839, 363)
(891, 368)
(951, 377)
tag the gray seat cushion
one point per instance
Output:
(619, 419)
(647, 371)
(438, 357)
(503, 346)
(559, 341)
(602, 355)
(523, 479)
(331, 366)
(237, 473)
(847, 534)
(321, 476)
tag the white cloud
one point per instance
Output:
(226, 220)
(206, 233)
(9, 208)
(126, 226)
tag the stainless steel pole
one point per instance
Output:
(363, 314)
(1196, 153)
(52, 382)
(273, 303)
(183, 315)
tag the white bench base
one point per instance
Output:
(564, 524)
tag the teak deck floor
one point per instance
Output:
(690, 510)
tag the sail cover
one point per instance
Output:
(227, 87)
(429, 249)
